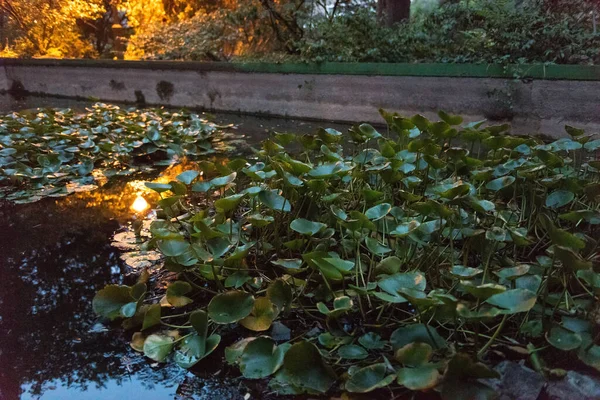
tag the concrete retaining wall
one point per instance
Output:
(532, 105)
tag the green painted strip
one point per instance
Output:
(525, 71)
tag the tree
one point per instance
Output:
(391, 12)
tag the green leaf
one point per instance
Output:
(173, 247)
(261, 358)
(376, 247)
(482, 291)
(368, 379)
(158, 187)
(230, 307)
(176, 292)
(109, 301)
(514, 301)
(379, 211)
(229, 203)
(450, 119)
(563, 339)
(371, 341)
(465, 272)
(417, 333)
(305, 368)
(500, 183)
(223, 180)
(559, 198)
(280, 294)
(151, 316)
(414, 354)
(306, 227)
(352, 352)
(187, 177)
(261, 317)
(420, 378)
(274, 201)
(158, 347)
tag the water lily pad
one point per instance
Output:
(274, 201)
(352, 352)
(368, 379)
(417, 333)
(307, 227)
(563, 339)
(262, 357)
(158, 347)
(514, 301)
(261, 317)
(305, 368)
(414, 354)
(230, 307)
(420, 378)
(500, 183)
(109, 302)
(376, 247)
(371, 341)
(559, 198)
(379, 211)
(176, 293)
(187, 177)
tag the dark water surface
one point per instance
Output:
(54, 255)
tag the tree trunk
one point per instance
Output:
(391, 12)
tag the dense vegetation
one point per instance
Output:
(554, 31)
(54, 152)
(403, 260)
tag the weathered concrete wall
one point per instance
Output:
(535, 106)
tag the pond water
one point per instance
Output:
(54, 255)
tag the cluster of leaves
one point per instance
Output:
(52, 152)
(424, 248)
(482, 31)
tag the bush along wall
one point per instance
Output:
(403, 259)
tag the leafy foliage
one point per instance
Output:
(54, 152)
(411, 272)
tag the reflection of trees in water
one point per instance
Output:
(51, 266)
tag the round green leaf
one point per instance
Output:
(261, 358)
(563, 339)
(559, 198)
(379, 211)
(157, 347)
(262, 315)
(421, 378)
(305, 368)
(514, 301)
(352, 352)
(414, 354)
(500, 183)
(307, 227)
(230, 307)
(368, 379)
(109, 301)
(176, 291)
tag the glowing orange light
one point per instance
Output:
(140, 204)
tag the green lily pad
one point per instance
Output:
(417, 333)
(305, 368)
(176, 293)
(376, 247)
(230, 307)
(368, 379)
(559, 198)
(563, 339)
(274, 201)
(352, 352)
(187, 177)
(306, 227)
(500, 183)
(261, 317)
(262, 357)
(371, 341)
(514, 301)
(414, 354)
(158, 347)
(420, 378)
(379, 211)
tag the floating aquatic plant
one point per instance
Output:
(54, 152)
(407, 259)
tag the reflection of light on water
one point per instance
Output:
(140, 204)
